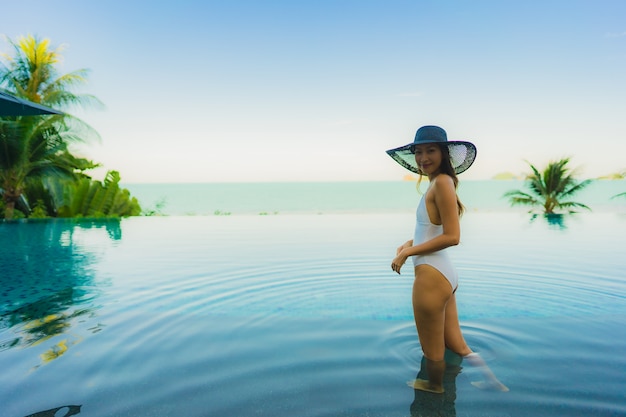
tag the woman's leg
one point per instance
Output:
(489, 380)
(456, 343)
(431, 292)
(452, 330)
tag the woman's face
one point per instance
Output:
(428, 158)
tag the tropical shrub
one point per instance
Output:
(90, 198)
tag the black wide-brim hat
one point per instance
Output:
(462, 153)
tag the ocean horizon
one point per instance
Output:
(271, 198)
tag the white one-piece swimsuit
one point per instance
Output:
(425, 230)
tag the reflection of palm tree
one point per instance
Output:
(37, 326)
(55, 351)
(48, 283)
(550, 188)
(554, 221)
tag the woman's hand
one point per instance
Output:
(405, 245)
(399, 260)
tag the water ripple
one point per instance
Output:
(173, 320)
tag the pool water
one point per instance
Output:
(301, 315)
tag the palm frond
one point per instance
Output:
(520, 198)
(570, 204)
(576, 188)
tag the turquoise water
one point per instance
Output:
(300, 315)
(365, 197)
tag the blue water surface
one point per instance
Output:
(301, 315)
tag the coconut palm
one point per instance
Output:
(28, 153)
(34, 147)
(31, 73)
(550, 189)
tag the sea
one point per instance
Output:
(273, 198)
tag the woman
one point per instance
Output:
(437, 228)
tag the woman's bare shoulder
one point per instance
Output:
(443, 180)
(443, 188)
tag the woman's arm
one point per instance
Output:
(405, 245)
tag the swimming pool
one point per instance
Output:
(300, 315)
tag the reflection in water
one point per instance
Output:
(554, 221)
(65, 411)
(47, 282)
(428, 404)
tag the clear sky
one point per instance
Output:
(231, 90)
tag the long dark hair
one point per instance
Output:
(447, 168)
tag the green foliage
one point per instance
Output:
(39, 211)
(157, 210)
(550, 188)
(29, 150)
(17, 213)
(31, 73)
(33, 148)
(89, 198)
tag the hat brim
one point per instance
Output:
(462, 156)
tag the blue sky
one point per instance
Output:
(214, 91)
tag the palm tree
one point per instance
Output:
(29, 152)
(550, 188)
(31, 74)
(34, 147)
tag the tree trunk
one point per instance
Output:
(9, 208)
(11, 196)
